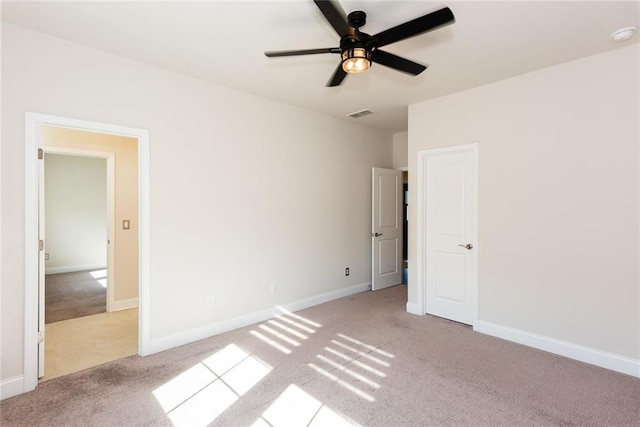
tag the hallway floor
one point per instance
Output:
(77, 344)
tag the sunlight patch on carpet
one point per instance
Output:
(356, 362)
(367, 346)
(285, 332)
(361, 353)
(223, 360)
(295, 407)
(300, 318)
(245, 375)
(348, 364)
(199, 395)
(348, 371)
(204, 407)
(271, 342)
(288, 329)
(182, 387)
(100, 276)
(296, 324)
(280, 335)
(341, 382)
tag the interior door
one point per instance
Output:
(386, 228)
(451, 224)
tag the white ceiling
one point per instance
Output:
(223, 42)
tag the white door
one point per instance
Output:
(386, 228)
(450, 270)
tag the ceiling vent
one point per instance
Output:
(360, 113)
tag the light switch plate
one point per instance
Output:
(126, 224)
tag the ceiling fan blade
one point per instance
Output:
(415, 27)
(338, 76)
(397, 63)
(276, 53)
(334, 13)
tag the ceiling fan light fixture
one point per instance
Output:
(356, 60)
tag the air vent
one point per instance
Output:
(359, 114)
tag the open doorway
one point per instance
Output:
(91, 266)
(77, 218)
(36, 339)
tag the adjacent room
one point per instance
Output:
(320, 213)
(90, 263)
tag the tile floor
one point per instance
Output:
(76, 344)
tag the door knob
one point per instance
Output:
(468, 246)
(377, 234)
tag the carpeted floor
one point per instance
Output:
(71, 295)
(358, 360)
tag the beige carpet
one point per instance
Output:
(358, 360)
(72, 295)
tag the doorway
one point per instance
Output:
(78, 210)
(35, 336)
(85, 272)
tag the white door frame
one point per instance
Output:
(109, 157)
(421, 227)
(33, 142)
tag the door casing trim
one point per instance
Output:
(33, 142)
(421, 306)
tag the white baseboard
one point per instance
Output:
(11, 387)
(207, 331)
(414, 309)
(124, 304)
(74, 268)
(600, 358)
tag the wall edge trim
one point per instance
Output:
(73, 268)
(124, 304)
(192, 335)
(603, 359)
(413, 308)
(12, 387)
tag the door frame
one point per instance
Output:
(34, 142)
(109, 157)
(421, 222)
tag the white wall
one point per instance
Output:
(558, 198)
(244, 191)
(75, 213)
(400, 150)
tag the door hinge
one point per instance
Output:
(40, 336)
(41, 245)
(40, 154)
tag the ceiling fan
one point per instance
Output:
(358, 50)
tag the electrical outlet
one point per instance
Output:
(346, 271)
(211, 301)
(274, 287)
(46, 256)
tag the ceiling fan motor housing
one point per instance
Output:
(357, 19)
(349, 42)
